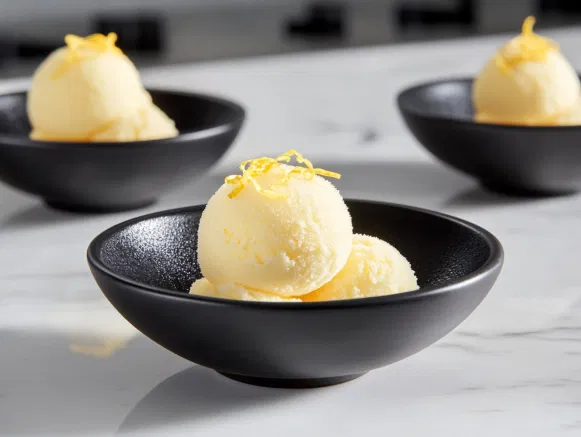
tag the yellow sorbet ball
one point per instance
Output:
(527, 82)
(288, 246)
(91, 94)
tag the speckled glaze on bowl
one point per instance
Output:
(103, 177)
(145, 267)
(513, 160)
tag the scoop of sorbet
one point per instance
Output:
(278, 228)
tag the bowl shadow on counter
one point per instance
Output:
(476, 197)
(198, 394)
(38, 215)
(424, 184)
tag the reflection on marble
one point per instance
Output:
(71, 366)
(46, 390)
(98, 347)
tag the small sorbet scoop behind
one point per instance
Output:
(374, 268)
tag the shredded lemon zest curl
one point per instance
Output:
(79, 49)
(260, 166)
(531, 47)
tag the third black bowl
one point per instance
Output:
(116, 176)
(519, 160)
(145, 267)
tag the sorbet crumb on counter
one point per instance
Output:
(90, 91)
(280, 232)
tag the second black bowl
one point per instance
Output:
(145, 267)
(517, 160)
(100, 177)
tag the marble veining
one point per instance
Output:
(70, 365)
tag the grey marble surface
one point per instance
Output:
(71, 366)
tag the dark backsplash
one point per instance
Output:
(160, 37)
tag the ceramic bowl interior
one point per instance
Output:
(160, 252)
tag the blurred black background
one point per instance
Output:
(175, 31)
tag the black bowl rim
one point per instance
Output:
(492, 264)
(406, 92)
(184, 136)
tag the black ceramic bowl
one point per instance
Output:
(145, 267)
(517, 160)
(116, 176)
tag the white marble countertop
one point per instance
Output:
(512, 369)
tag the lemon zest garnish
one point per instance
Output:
(260, 166)
(527, 47)
(80, 49)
